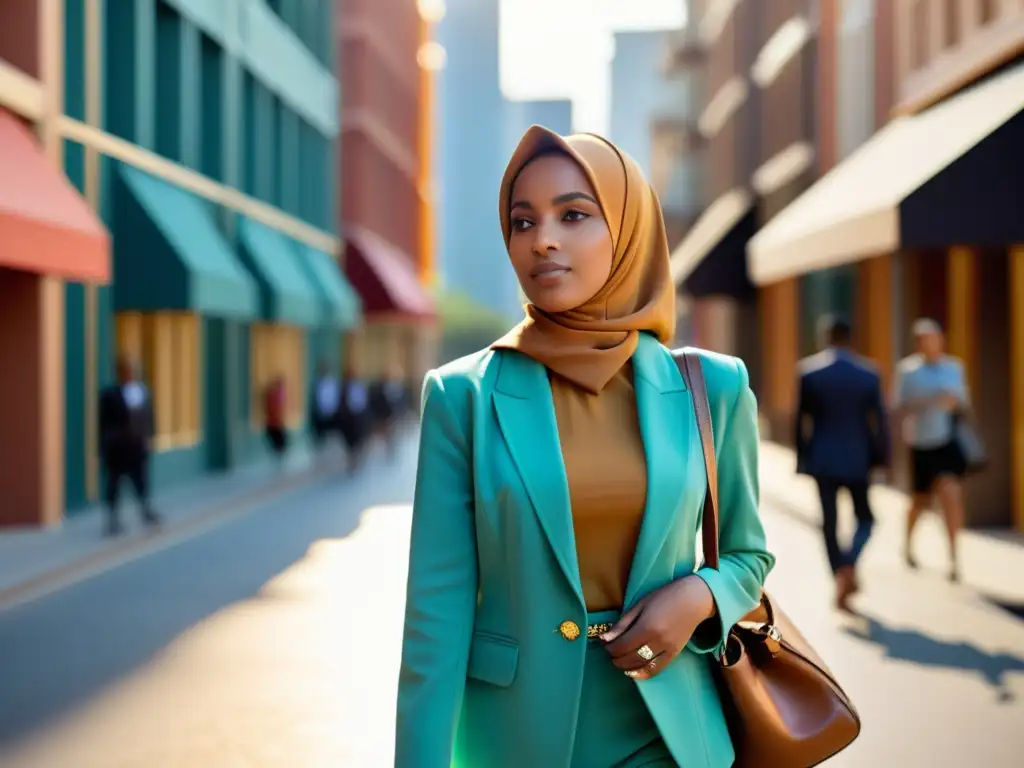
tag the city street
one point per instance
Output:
(273, 640)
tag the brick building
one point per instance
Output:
(385, 212)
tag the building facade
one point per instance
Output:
(385, 199)
(471, 157)
(709, 263)
(924, 215)
(188, 150)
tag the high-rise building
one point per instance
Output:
(384, 197)
(472, 154)
(638, 92)
(168, 165)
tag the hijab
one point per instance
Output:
(588, 345)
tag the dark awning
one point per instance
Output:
(711, 259)
(947, 176)
(169, 254)
(384, 277)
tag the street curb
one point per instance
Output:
(80, 568)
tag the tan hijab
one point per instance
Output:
(590, 344)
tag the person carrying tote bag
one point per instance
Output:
(784, 707)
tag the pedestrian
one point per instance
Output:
(554, 614)
(356, 419)
(326, 404)
(841, 435)
(388, 404)
(275, 414)
(930, 393)
(126, 429)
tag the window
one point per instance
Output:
(167, 346)
(278, 350)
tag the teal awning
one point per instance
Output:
(286, 293)
(169, 254)
(341, 305)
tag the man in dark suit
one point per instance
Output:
(841, 434)
(126, 429)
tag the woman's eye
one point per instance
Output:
(521, 225)
(574, 216)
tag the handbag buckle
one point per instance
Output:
(772, 638)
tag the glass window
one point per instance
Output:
(167, 347)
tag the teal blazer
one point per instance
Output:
(487, 681)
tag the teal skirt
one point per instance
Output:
(615, 728)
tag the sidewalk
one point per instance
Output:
(36, 560)
(991, 562)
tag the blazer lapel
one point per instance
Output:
(526, 415)
(666, 422)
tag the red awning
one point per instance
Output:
(46, 226)
(384, 277)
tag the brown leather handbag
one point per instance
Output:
(783, 705)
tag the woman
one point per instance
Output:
(275, 406)
(554, 616)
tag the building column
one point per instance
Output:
(47, 326)
(875, 303)
(1016, 299)
(963, 311)
(780, 326)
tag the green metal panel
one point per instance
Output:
(74, 59)
(169, 254)
(289, 161)
(212, 109)
(170, 88)
(232, 147)
(216, 397)
(286, 295)
(341, 305)
(74, 362)
(191, 95)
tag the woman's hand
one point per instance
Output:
(661, 624)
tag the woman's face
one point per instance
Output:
(560, 245)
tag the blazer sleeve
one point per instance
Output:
(442, 589)
(744, 560)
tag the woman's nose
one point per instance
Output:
(546, 239)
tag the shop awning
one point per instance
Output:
(169, 254)
(341, 305)
(384, 277)
(286, 293)
(710, 259)
(949, 175)
(45, 225)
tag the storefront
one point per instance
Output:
(182, 300)
(931, 206)
(48, 234)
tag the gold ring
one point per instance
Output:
(645, 652)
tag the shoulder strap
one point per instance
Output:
(693, 375)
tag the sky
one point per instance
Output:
(563, 49)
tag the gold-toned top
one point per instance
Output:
(607, 473)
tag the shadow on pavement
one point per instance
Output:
(911, 645)
(61, 651)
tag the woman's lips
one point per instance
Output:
(549, 270)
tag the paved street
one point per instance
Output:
(273, 639)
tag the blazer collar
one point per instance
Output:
(522, 377)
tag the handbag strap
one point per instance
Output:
(693, 374)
